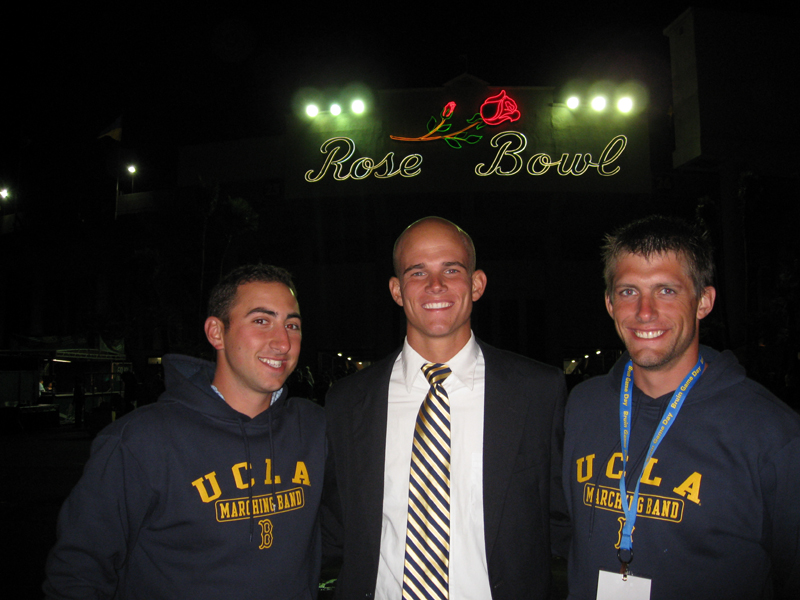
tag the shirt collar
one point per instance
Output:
(275, 395)
(462, 365)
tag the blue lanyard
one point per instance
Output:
(625, 413)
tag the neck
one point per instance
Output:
(437, 350)
(251, 404)
(656, 382)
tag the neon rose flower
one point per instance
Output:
(505, 109)
(494, 110)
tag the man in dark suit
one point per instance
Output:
(503, 452)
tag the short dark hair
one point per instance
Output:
(224, 293)
(465, 239)
(658, 234)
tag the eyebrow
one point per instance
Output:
(444, 264)
(272, 313)
(659, 284)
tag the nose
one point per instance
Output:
(280, 342)
(646, 311)
(436, 283)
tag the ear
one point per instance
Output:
(609, 306)
(706, 303)
(395, 291)
(478, 284)
(215, 331)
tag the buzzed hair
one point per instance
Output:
(224, 293)
(469, 246)
(658, 235)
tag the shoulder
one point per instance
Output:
(595, 396)
(516, 365)
(759, 410)
(356, 385)
(728, 390)
(141, 439)
(144, 425)
(305, 409)
(596, 389)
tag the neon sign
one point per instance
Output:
(509, 152)
(508, 160)
(494, 111)
(361, 167)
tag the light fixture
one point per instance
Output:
(598, 103)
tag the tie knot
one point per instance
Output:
(435, 372)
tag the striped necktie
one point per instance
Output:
(427, 558)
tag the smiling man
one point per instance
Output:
(444, 451)
(681, 473)
(213, 491)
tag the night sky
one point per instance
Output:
(210, 73)
(207, 73)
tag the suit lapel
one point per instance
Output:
(503, 424)
(368, 436)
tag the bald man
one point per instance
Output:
(505, 433)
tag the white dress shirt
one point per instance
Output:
(469, 575)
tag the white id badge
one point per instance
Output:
(611, 586)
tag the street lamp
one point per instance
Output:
(132, 171)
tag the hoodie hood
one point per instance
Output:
(722, 371)
(188, 381)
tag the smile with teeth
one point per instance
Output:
(434, 305)
(271, 362)
(648, 335)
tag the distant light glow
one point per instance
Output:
(336, 109)
(573, 102)
(358, 106)
(598, 103)
(312, 110)
(625, 104)
(4, 193)
(131, 169)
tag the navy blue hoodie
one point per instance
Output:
(719, 502)
(188, 498)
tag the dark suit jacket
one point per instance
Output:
(522, 440)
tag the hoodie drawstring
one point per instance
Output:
(272, 452)
(249, 476)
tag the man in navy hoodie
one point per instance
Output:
(213, 491)
(681, 474)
